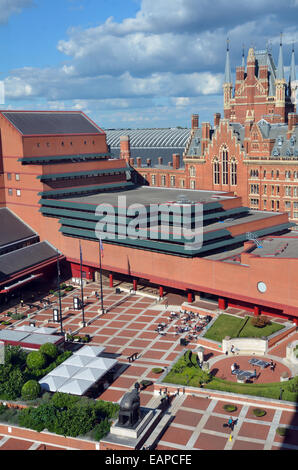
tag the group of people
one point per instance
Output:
(231, 423)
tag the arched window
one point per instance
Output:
(216, 171)
(233, 172)
(225, 166)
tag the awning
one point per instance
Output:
(20, 283)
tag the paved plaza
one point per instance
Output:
(129, 327)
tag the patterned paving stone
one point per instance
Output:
(187, 417)
(197, 403)
(16, 444)
(255, 431)
(208, 441)
(176, 435)
(247, 445)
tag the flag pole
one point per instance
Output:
(59, 292)
(82, 291)
(100, 274)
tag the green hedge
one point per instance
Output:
(69, 415)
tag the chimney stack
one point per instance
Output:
(195, 121)
(148, 162)
(160, 160)
(176, 161)
(139, 162)
(132, 161)
(125, 147)
(217, 117)
(292, 121)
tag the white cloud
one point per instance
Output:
(10, 7)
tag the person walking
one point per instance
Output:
(230, 422)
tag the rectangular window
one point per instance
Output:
(17, 177)
(288, 205)
(192, 184)
(9, 176)
(163, 180)
(172, 180)
(153, 180)
(10, 192)
(18, 191)
(265, 189)
(182, 183)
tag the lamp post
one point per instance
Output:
(100, 274)
(82, 291)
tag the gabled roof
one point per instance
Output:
(12, 229)
(19, 260)
(51, 122)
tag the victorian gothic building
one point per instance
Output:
(251, 151)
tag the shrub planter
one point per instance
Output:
(259, 412)
(282, 431)
(230, 408)
(157, 370)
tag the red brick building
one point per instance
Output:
(56, 170)
(251, 151)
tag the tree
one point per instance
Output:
(36, 360)
(30, 390)
(49, 350)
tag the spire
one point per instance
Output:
(293, 67)
(280, 66)
(228, 77)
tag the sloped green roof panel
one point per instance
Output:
(83, 173)
(85, 189)
(46, 159)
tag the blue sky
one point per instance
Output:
(133, 63)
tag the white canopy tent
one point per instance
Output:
(80, 361)
(52, 383)
(78, 373)
(92, 351)
(89, 374)
(64, 370)
(102, 363)
(76, 386)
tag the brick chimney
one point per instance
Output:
(205, 136)
(125, 147)
(176, 161)
(217, 117)
(160, 160)
(148, 161)
(195, 121)
(292, 121)
(132, 161)
(139, 162)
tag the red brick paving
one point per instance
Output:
(16, 444)
(291, 439)
(288, 418)
(219, 408)
(187, 417)
(259, 431)
(245, 445)
(197, 403)
(267, 417)
(208, 441)
(176, 435)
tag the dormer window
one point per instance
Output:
(280, 141)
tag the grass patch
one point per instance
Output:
(184, 372)
(228, 325)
